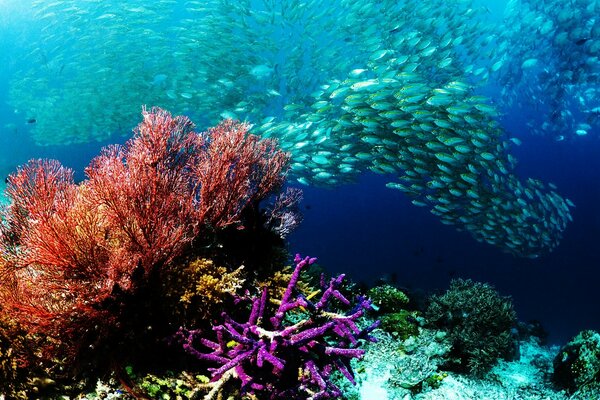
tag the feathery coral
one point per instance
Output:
(76, 257)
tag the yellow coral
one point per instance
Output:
(200, 285)
(212, 282)
(279, 281)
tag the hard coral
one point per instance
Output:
(478, 321)
(197, 289)
(387, 298)
(390, 304)
(276, 359)
(577, 365)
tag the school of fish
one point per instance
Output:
(549, 65)
(346, 86)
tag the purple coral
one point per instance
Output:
(274, 358)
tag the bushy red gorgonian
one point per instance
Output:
(54, 265)
(70, 250)
(145, 192)
(50, 221)
(236, 170)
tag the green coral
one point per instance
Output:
(435, 380)
(389, 304)
(577, 364)
(401, 324)
(171, 386)
(479, 323)
(387, 299)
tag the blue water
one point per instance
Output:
(370, 232)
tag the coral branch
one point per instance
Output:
(304, 346)
(74, 256)
(236, 170)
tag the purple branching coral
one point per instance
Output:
(277, 359)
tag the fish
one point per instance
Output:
(343, 87)
(363, 85)
(261, 71)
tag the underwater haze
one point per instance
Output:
(433, 140)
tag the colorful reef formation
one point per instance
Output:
(164, 234)
(164, 274)
(267, 352)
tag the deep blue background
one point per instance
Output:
(368, 231)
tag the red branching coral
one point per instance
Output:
(145, 191)
(45, 208)
(54, 249)
(235, 171)
(72, 254)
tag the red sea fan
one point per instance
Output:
(146, 193)
(54, 251)
(236, 170)
(74, 256)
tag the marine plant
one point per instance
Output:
(479, 323)
(82, 262)
(273, 358)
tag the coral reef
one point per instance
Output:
(387, 298)
(416, 367)
(10, 384)
(198, 289)
(167, 232)
(277, 284)
(275, 359)
(82, 263)
(389, 305)
(479, 322)
(385, 372)
(577, 364)
(401, 324)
